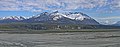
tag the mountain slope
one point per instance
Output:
(54, 17)
(117, 23)
(63, 18)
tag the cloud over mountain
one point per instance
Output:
(40, 5)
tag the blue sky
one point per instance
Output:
(104, 11)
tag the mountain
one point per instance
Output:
(54, 17)
(11, 19)
(54, 20)
(62, 18)
(117, 23)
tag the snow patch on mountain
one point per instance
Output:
(13, 18)
(74, 16)
(77, 17)
(57, 16)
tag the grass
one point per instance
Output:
(56, 31)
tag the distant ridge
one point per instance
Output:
(117, 23)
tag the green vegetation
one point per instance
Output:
(44, 27)
(7, 27)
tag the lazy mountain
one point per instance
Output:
(54, 17)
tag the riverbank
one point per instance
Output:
(68, 39)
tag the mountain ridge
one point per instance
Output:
(54, 17)
(117, 23)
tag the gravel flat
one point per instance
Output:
(74, 39)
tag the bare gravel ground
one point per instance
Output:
(74, 39)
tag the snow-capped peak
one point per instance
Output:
(57, 16)
(13, 18)
(75, 16)
(54, 15)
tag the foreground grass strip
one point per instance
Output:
(56, 31)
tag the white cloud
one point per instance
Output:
(115, 4)
(108, 22)
(109, 18)
(8, 5)
(75, 4)
(39, 5)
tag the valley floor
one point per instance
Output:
(66, 39)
